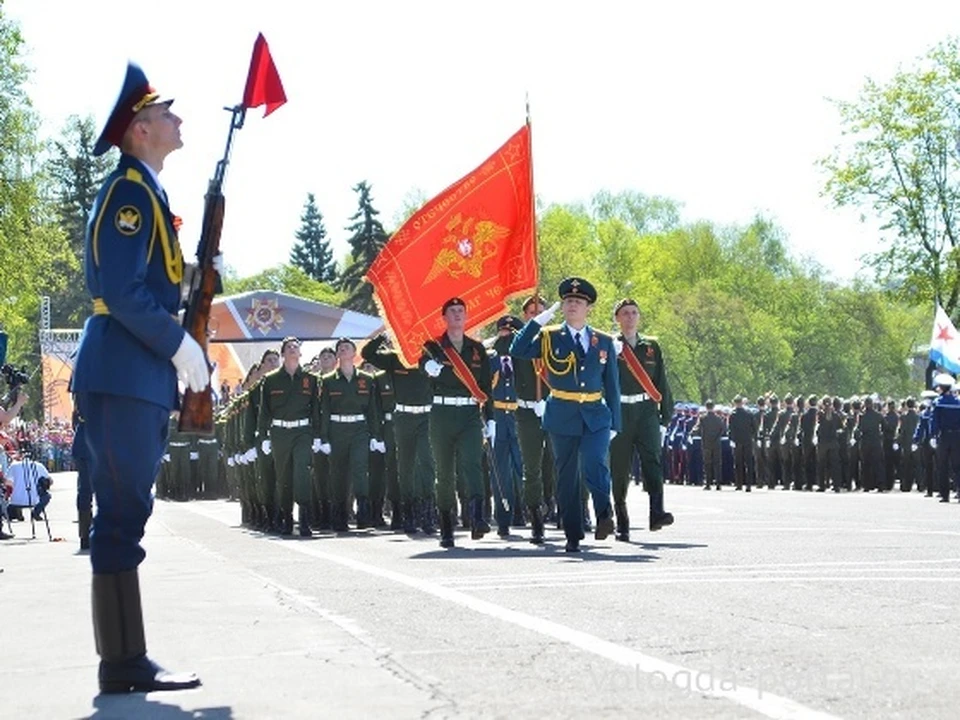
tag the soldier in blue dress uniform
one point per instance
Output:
(125, 377)
(582, 413)
(945, 431)
(506, 450)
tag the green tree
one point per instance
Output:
(900, 161)
(288, 279)
(77, 175)
(32, 247)
(311, 253)
(367, 239)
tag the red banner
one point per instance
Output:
(476, 240)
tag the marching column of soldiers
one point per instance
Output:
(820, 443)
(467, 438)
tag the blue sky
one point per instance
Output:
(722, 106)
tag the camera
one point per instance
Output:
(14, 378)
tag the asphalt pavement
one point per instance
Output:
(771, 604)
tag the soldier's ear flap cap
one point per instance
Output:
(136, 94)
(576, 287)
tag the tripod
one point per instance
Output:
(30, 477)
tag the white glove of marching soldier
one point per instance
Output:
(251, 455)
(432, 368)
(191, 365)
(381, 447)
(733, 445)
(490, 431)
(545, 317)
(266, 446)
(613, 433)
(317, 442)
(373, 445)
(618, 345)
(325, 448)
(540, 408)
(933, 443)
(896, 446)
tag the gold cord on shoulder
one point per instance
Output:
(554, 365)
(172, 256)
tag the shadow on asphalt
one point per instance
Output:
(586, 553)
(137, 705)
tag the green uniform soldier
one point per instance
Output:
(264, 494)
(289, 429)
(350, 430)
(383, 466)
(413, 398)
(462, 380)
(326, 362)
(646, 406)
(535, 449)
(178, 447)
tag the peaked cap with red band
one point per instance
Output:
(136, 94)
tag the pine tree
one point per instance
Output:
(77, 176)
(367, 239)
(312, 253)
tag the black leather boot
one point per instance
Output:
(339, 512)
(478, 526)
(428, 513)
(659, 518)
(286, 523)
(536, 525)
(411, 511)
(304, 520)
(364, 519)
(446, 529)
(623, 522)
(398, 516)
(118, 631)
(325, 522)
(376, 514)
(84, 520)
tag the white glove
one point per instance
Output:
(194, 455)
(663, 434)
(166, 457)
(325, 448)
(266, 446)
(191, 364)
(316, 445)
(768, 444)
(914, 447)
(796, 442)
(373, 445)
(618, 345)
(896, 446)
(815, 441)
(490, 431)
(251, 455)
(933, 443)
(218, 263)
(432, 368)
(613, 433)
(759, 443)
(540, 408)
(853, 441)
(230, 462)
(732, 444)
(545, 316)
(381, 447)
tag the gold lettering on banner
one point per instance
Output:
(427, 215)
(466, 247)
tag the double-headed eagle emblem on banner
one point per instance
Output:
(466, 246)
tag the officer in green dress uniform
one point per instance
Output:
(178, 447)
(349, 430)
(264, 494)
(413, 397)
(646, 406)
(460, 371)
(288, 426)
(383, 466)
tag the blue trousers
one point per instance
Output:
(506, 452)
(84, 488)
(125, 438)
(575, 456)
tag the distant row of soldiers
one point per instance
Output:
(803, 443)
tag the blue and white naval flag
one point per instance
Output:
(945, 342)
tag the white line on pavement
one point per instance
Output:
(756, 699)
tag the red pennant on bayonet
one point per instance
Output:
(263, 80)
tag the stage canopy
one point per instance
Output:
(244, 326)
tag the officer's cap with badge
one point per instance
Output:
(509, 322)
(943, 380)
(574, 287)
(453, 302)
(135, 95)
